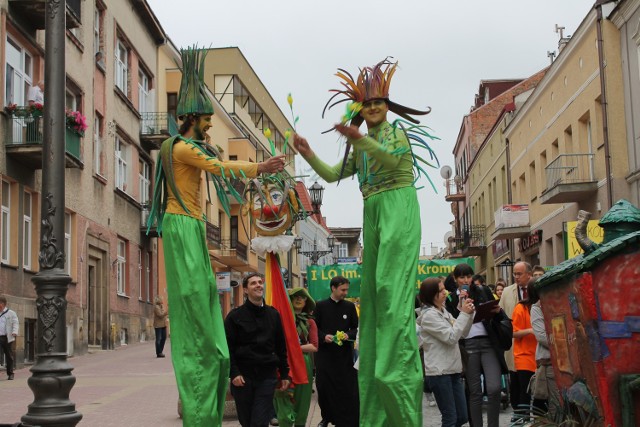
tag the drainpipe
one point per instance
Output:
(603, 102)
(512, 252)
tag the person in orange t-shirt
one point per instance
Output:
(524, 347)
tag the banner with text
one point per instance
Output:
(571, 246)
(319, 276)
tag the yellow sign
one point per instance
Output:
(594, 232)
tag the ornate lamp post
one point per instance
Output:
(315, 254)
(51, 380)
(316, 192)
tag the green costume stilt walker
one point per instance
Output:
(199, 348)
(292, 406)
(390, 377)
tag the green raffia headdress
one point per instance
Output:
(193, 98)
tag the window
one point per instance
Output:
(97, 31)
(343, 250)
(122, 267)
(144, 96)
(98, 148)
(67, 243)
(26, 230)
(144, 180)
(6, 221)
(122, 158)
(146, 267)
(122, 67)
(233, 226)
(140, 268)
(18, 74)
(172, 104)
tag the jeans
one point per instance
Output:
(483, 360)
(449, 393)
(254, 401)
(161, 337)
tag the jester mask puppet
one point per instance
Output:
(272, 206)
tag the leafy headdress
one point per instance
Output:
(192, 99)
(370, 83)
(373, 83)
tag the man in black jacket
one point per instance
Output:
(258, 355)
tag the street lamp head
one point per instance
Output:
(297, 243)
(331, 241)
(316, 191)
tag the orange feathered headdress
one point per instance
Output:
(372, 83)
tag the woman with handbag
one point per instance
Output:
(484, 344)
(439, 335)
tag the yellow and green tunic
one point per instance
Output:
(198, 344)
(390, 377)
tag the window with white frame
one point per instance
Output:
(18, 73)
(6, 222)
(122, 66)
(26, 230)
(343, 250)
(98, 147)
(122, 160)
(97, 30)
(144, 97)
(140, 267)
(144, 180)
(67, 243)
(122, 267)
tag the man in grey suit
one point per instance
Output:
(9, 327)
(522, 273)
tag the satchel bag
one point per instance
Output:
(503, 330)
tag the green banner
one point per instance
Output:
(319, 276)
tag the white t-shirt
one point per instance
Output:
(35, 95)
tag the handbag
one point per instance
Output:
(503, 330)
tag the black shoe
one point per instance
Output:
(10, 377)
(160, 355)
(323, 423)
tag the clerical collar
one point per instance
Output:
(332, 299)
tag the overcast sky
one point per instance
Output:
(444, 49)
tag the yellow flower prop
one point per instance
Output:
(340, 337)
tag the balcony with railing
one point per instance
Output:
(32, 12)
(474, 241)
(24, 138)
(214, 237)
(569, 178)
(145, 230)
(456, 244)
(511, 221)
(232, 253)
(455, 190)
(155, 128)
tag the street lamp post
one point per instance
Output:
(315, 254)
(51, 380)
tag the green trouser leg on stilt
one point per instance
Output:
(198, 343)
(390, 376)
(294, 412)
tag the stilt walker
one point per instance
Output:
(198, 345)
(384, 161)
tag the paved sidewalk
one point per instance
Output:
(130, 387)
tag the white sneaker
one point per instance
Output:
(431, 399)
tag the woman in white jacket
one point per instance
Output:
(439, 336)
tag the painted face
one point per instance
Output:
(273, 214)
(203, 124)
(374, 112)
